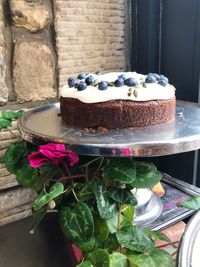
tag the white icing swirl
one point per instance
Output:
(141, 92)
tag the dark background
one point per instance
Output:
(166, 40)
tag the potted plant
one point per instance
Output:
(93, 197)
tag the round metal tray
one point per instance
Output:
(44, 124)
(190, 244)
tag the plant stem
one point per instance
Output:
(92, 161)
(118, 224)
(168, 244)
(99, 167)
(118, 217)
(75, 194)
(52, 211)
(72, 177)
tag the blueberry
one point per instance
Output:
(130, 82)
(90, 79)
(82, 75)
(98, 72)
(72, 82)
(122, 76)
(162, 82)
(164, 78)
(150, 78)
(119, 82)
(81, 86)
(157, 76)
(102, 86)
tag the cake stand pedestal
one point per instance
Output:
(44, 124)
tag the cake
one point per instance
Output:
(117, 100)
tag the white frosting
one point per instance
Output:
(141, 92)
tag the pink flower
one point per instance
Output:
(52, 153)
(125, 152)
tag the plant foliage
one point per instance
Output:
(94, 200)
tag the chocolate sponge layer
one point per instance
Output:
(117, 114)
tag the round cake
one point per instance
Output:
(117, 100)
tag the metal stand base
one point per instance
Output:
(149, 206)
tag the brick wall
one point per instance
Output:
(90, 36)
(42, 42)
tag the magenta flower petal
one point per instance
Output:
(53, 147)
(53, 153)
(35, 160)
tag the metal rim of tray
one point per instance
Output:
(181, 135)
(189, 246)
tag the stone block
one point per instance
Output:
(16, 198)
(33, 71)
(3, 45)
(31, 15)
(15, 214)
(7, 181)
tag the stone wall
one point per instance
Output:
(42, 42)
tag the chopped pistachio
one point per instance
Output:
(144, 85)
(129, 91)
(135, 92)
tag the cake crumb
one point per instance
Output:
(92, 130)
(102, 129)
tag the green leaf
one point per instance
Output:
(77, 224)
(85, 264)
(157, 235)
(5, 123)
(153, 258)
(9, 115)
(87, 245)
(128, 212)
(118, 260)
(56, 190)
(45, 173)
(192, 204)
(123, 196)
(113, 223)
(121, 170)
(106, 207)
(111, 244)
(27, 176)
(37, 217)
(134, 238)
(146, 175)
(99, 258)
(15, 156)
(85, 193)
(101, 230)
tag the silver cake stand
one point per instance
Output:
(44, 124)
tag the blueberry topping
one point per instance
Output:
(162, 82)
(157, 76)
(72, 81)
(164, 78)
(122, 76)
(82, 75)
(119, 82)
(130, 82)
(89, 80)
(150, 78)
(98, 72)
(102, 86)
(81, 86)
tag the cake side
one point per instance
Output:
(117, 114)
